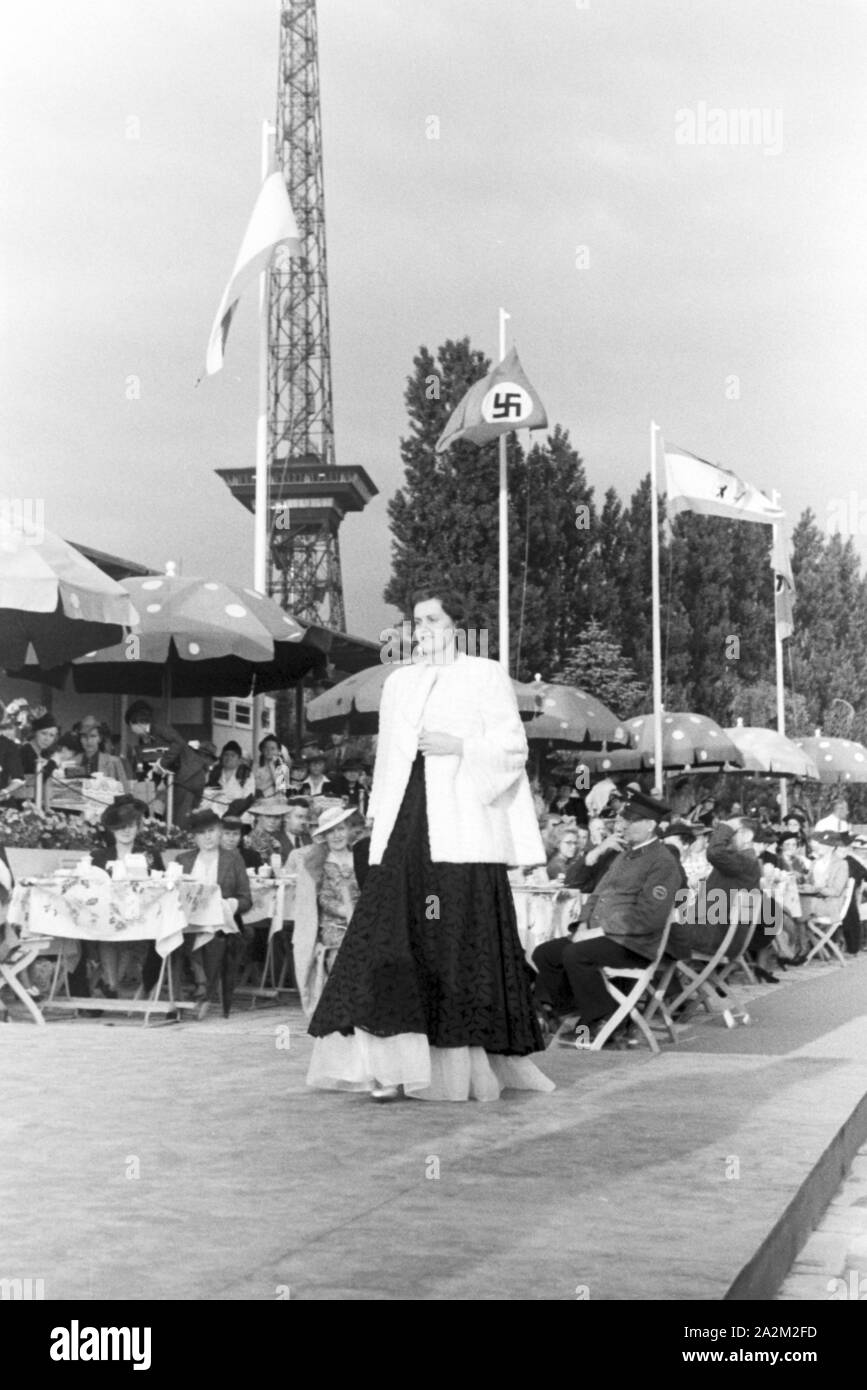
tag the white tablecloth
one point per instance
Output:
(81, 909)
(270, 900)
(544, 913)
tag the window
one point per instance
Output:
(243, 714)
(221, 711)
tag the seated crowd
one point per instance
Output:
(631, 858)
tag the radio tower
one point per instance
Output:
(308, 494)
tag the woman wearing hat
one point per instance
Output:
(326, 892)
(92, 757)
(430, 990)
(268, 836)
(33, 755)
(210, 863)
(122, 821)
(824, 894)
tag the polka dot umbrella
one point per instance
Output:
(838, 759)
(688, 740)
(564, 714)
(198, 637)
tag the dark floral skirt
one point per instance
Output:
(432, 948)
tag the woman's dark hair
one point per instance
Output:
(451, 601)
(230, 747)
(269, 738)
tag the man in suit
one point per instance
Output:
(626, 917)
(296, 824)
(209, 863)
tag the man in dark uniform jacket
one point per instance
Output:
(627, 915)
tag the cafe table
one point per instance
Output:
(70, 908)
(272, 902)
(544, 911)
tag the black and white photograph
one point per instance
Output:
(433, 668)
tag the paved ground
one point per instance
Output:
(833, 1264)
(191, 1162)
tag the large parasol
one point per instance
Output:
(688, 740)
(194, 637)
(55, 600)
(769, 751)
(837, 759)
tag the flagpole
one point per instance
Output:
(260, 512)
(504, 526)
(778, 654)
(657, 641)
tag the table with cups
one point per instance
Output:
(273, 901)
(126, 905)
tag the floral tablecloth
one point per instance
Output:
(121, 910)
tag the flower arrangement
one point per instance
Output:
(28, 828)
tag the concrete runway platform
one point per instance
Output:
(191, 1162)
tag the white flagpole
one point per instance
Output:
(260, 522)
(657, 641)
(504, 526)
(260, 544)
(778, 655)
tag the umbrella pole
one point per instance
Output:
(170, 780)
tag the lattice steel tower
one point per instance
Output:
(308, 494)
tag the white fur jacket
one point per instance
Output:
(479, 804)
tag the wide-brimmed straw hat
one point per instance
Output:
(331, 817)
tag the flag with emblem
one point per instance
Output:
(503, 400)
(694, 485)
(784, 584)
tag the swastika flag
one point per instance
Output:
(503, 400)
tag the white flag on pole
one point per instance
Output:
(694, 485)
(272, 222)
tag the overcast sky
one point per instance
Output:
(722, 288)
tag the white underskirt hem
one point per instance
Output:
(361, 1061)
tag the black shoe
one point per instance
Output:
(765, 976)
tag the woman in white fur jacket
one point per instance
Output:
(430, 992)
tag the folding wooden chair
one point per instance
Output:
(642, 978)
(20, 957)
(709, 982)
(823, 930)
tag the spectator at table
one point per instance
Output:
(571, 841)
(268, 836)
(837, 820)
(33, 755)
(297, 777)
(795, 823)
(209, 863)
(122, 822)
(230, 785)
(10, 763)
(233, 836)
(272, 772)
(567, 802)
(853, 931)
(354, 794)
(823, 894)
(317, 783)
(158, 748)
(325, 897)
(735, 878)
(92, 757)
(626, 917)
